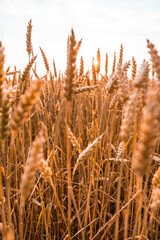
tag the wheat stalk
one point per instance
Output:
(84, 89)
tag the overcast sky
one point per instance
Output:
(103, 24)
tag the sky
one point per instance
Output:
(103, 24)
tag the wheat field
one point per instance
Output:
(79, 151)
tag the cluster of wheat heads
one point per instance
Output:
(79, 151)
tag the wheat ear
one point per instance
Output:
(25, 74)
(81, 71)
(121, 55)
(98, 61)
(85, 89)
(28, 178)
(71, 65)
(45, 59)
(31, 167)
(114, 64)
(45, 170)
(125, 66)
(4, 115)
(128, 117)
(141, 78)
(134, 68)
(86, 152)
(106, 64)
(73, 139)
(47, 176)
(25, 105)
(28, 38)
(2, 73)
(142, 154)
(155, 58)
(155, 198)
(94, 77)
(55, 70)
